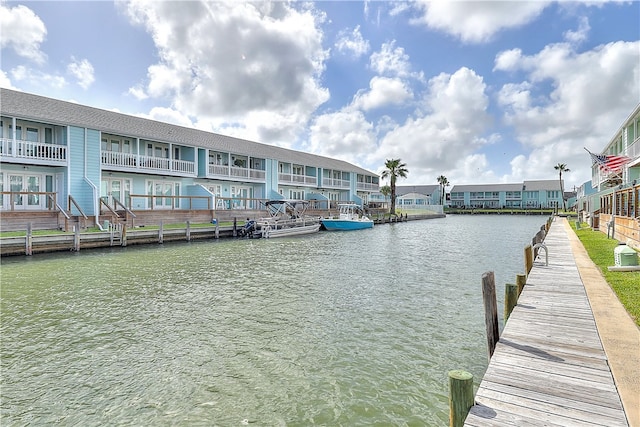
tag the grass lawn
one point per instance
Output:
(626, 284)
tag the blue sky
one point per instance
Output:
(481, 92)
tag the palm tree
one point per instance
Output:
(394, 170)
(561, 167)
(444, 182)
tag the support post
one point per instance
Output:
(528, 259)
(188, 231)
(28, 241)
(510, 299)
(123, 242)
(76, 238)
(161, 233)
(521, 280)
(490, 310)
(217, 231)
(235, 227)
(460, 397)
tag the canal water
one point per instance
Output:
(340, 329)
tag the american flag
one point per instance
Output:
(611, 163)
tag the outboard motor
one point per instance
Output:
(248, 228)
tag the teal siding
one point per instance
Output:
(79, 188)
(199, 190)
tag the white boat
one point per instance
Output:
(350, 217)
(286, 218)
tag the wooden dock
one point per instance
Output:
(549, 367)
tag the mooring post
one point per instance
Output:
(460, 396)
(217, 231)
(76, 238)
(123, 237)
(235, 226)
(188, 231)
(528, 259)
(490, 310)
(510, 299)
(161, 232)
(521, 280)
(28, 241)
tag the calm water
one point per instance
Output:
(340, 329)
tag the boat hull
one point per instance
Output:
(271, 233)
(346, 225)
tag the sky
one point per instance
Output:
(480, 92)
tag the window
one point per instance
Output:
(296, 194)
(32, 135)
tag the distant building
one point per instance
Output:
(526, 195)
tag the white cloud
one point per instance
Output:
(477, 21)
(391, 61)
(37, 78)
(229, 62)
(23, 31)
(5, 82)
(591, 93)
(580, 34)
(352, 43)
(383, 91)
(82, 71)
(451, 130)
(138, 92)
(345, 135)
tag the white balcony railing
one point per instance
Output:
(158, 164)
(367, 186)
(236, 172)
(297, 179)
(10, 148)
(335, 183)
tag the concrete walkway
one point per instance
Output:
(618, 332)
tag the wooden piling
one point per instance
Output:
(161, 233)
(490, 310)
(521, 280)
(123, 238)
(510, 299)
(28, 241)
(188, 231)
(76, 238)
(217, 230)
(235, 227)
(460, 397)
(528, 259)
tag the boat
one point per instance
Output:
(351, 217)
(286, 218)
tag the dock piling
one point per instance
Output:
(490, 310)
(521, 280)
(460, 396)
(510, 299)
(528, 259)
(28, 241)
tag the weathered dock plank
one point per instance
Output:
(549, 367)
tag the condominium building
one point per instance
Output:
(58, 156)
(525, 195)
(614, 206)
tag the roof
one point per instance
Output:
(486, 187)
(48, 110)
(426, 190)
(539, 185)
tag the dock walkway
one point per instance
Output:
(549, 367)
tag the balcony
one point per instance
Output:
(335, 183)
(367, 186)
(235, 172)
(287, 178)
(42, 153)
(128, 162)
